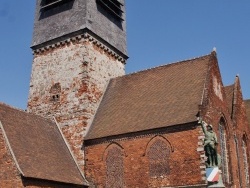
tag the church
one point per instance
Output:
(88, 124)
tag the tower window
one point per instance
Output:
(51, 7)
(49, 4)
(55, 92)
(113, 7)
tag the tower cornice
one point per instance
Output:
(84, 36)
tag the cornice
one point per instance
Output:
(81, 38)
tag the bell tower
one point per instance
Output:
(78, 46)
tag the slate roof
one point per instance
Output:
(38, 147)
(155, 98)
(247, 104)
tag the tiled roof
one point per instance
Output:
(38, 147)
(229, 94)
(155, 98)
(247, 104)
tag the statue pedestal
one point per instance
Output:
(214, 178)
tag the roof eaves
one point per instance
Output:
(128, 134)
(168, 64)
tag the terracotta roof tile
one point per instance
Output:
(155, 98)
(38, 147)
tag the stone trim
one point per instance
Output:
(201, 151)
(86, 37)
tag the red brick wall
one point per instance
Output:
(214, 108)
(9, 175)
(187, 159)
(68, 81)
(184, 159)
(241, 129)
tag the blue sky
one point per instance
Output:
(158, 32)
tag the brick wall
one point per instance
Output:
(9, 175)
(241, 130)
(214, 109)
(185, 159)
(68, 81)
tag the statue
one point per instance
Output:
(210, 144)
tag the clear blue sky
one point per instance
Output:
(158, 32)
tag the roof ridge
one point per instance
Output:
(13, 107)
(168, 64)
(25, 111)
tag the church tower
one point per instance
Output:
(78, 45)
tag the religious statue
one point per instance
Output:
(210, 144)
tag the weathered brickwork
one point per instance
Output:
(241, 132)
(9, 175)
(68, 81)
(187, 158)
(214, 110)
(183, 159)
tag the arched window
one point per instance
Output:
(114, 166)
(224, 151)
(158, 155)
(245, 162)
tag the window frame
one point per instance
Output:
(245, 161)
(158, 167)
(224, 151)
(112, 7)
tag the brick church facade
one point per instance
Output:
(87, 124)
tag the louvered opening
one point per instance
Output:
(113, 7)
(50, 4)
(51, 7)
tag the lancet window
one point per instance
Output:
(158, 155)
(245, 162)
(224, 151)
(114, 167)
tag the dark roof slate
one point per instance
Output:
(38, 147)
(155, 98)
